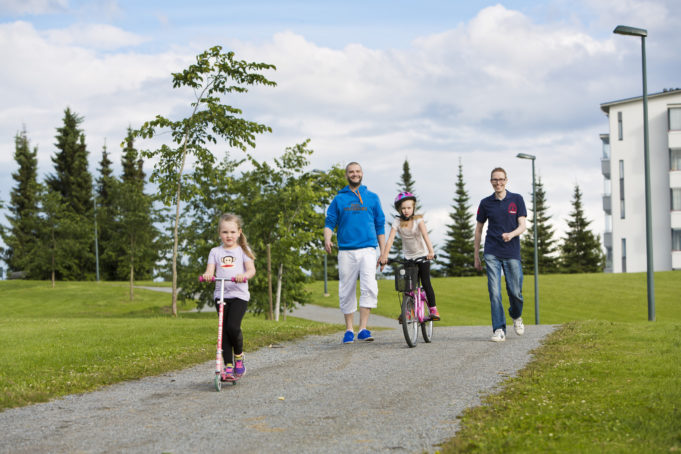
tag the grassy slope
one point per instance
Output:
(81, 336)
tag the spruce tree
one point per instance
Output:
(546, 244)
(135, 218)
(106, 207)
(73, 183)
(72, 180)
(132, 162)
(21, 238)
(581, 250)
(405, 184)
(459, 246)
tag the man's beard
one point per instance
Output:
(354, 185)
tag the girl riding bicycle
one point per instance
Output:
(415, 243)
(232, 259)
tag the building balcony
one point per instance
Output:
(605, 167)
(676, 219)
(607, 239)
(607, 204)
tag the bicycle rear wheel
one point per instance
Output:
(410, 324)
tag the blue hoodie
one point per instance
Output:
(359, 219)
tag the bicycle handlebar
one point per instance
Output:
(406, 261)
(233, 279)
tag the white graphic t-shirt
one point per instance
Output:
(229, 263)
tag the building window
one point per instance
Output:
(621, 189)
(620, 132)
(675, 159)
(674, 118)
(624, 255)
(676, 199)
(676, 240)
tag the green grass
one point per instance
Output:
(594, 386)
(562, 298)
(80, 336)
(606, 381)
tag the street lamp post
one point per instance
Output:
(534, 227)
(632, 31)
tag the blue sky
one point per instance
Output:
(434, 82)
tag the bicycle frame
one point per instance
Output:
(414, 302)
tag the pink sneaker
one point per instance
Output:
(434, 314)
(228, 373)
(239, 367)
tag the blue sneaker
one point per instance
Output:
(365, 335)
(349, 337)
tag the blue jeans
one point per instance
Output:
(513, 272)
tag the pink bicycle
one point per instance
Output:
(414, 307)
(219, 364)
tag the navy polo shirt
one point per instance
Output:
(503, 218)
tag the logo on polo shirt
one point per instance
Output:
(512, 209)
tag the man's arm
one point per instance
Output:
(522, 226)
(328, 234)
(476, 247)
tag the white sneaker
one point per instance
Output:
(518, 326)
(498, 336)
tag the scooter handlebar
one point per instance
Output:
(213, 279)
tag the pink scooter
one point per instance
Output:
(221, 314)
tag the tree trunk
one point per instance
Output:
(269, 280)
(132, 280)
(279, 278)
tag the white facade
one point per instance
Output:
(622, 166)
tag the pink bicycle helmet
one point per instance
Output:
(401, 197)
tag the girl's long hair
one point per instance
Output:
(242, 241)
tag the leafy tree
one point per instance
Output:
(459, 247)
(581, 250)
(214, 75)
(546, 247)
(282, 206)
(73, 183)
(106, 228)
(22, 236)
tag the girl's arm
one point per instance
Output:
(386, 250)
(210, 272)
(250, 272)
(424, 232)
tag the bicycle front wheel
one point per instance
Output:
(410, 324)
(427, 330)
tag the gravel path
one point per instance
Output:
(314, 395)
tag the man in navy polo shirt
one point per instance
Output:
(506, 213)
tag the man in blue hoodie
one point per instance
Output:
(357, 214)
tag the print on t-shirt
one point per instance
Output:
(227, 261)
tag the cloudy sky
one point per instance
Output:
(436, 82)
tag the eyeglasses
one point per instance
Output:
(498, 180)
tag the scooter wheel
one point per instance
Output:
(217, 382)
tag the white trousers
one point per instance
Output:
(353, 264)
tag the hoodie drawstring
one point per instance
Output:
(356, 192)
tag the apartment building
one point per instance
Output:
(622, 166)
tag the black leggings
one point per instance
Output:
(232, 337)
(424, 276)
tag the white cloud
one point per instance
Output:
(483, 91)
(94, 36)
(33, 6)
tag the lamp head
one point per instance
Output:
(525, 156)
(631, 31)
